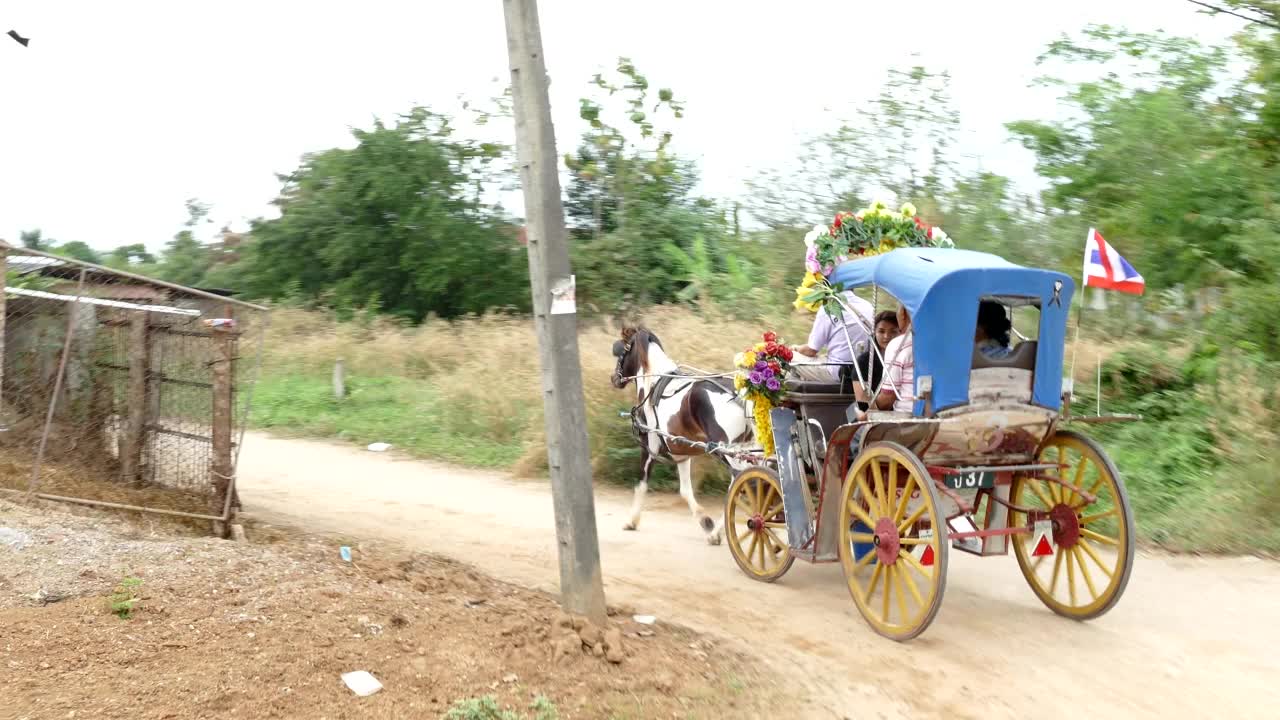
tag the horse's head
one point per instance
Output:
(632, 352)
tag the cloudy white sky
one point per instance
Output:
(118, 112)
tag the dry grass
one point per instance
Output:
(478, 351)
(485, 370)
(83, 481)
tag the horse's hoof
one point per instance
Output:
(713, 539)
(629, 526)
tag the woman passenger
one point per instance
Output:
(871, 363)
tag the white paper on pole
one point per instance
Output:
(563, 296)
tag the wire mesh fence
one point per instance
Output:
(117, 389)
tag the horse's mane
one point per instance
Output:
(640, 336)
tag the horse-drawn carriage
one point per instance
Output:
(981, 462)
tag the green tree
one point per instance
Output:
(127, 256)
(34, 240)
(186, 260)
(80, 251)
(399, 223)
(1157, 156)
(631, 203)
(899, 142)
(986, 213)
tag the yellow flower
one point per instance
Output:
(908, 210)
(800, 304)
(739, 381)
(886, 245)
(759, 348)
(811, 279)
(748, 359)
(764, 426)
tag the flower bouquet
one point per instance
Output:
(762, 370)
(873, 230)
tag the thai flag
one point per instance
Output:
(1104, 268)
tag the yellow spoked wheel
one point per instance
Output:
(1085, 570)
(756, 526)
(892, 541)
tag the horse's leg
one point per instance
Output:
(686, 491)
(703, 408)
(642, 487)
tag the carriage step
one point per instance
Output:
(810, 556)
(971, 545)
(795, 495)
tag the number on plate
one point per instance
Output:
(970, 480)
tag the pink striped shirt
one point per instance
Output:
(900, 373)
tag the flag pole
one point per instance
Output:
(1075, 345)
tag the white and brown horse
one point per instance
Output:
(683, 407)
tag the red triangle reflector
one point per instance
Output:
(927, 558)
(1043, 547)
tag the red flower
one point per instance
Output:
(770, 348)
(786, 353)
(836, 224)
(774, 366)
(770, 336)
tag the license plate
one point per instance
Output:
(970, 480)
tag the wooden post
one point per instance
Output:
(222, 379)
(339, 380)
(136, 398)
(556, 321)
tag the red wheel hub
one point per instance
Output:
(1066, 526)
(886, 541)
(756, 523)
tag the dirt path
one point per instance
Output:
(1192, 637)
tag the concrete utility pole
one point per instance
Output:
(555, 318)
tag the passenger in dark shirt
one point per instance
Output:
(870, 363)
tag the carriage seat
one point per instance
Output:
(913, 436)
(1006, 379)
(815, 387)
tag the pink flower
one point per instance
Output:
(811, 260)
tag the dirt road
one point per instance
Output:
(1192, 637)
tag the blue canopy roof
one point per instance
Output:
(941, 288)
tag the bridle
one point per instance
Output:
(622, 350)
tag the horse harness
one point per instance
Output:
(657, 393)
